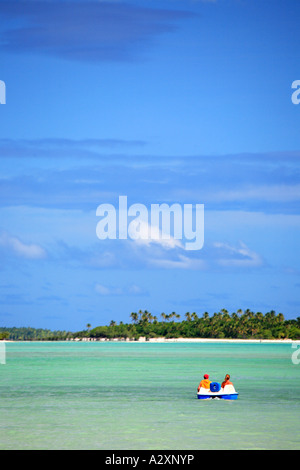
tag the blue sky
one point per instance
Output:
(175, 101)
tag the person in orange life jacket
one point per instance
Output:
(205, 383)
(226, 381)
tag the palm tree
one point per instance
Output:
(145, 316)
(215, 317)
(224, 311)
(225, 314)
(234, 316)
(88, 326)
(259, 316)
(140, 312)
(173, 315)
(134, 317)
(151, 317)
(249, 313)
(280, 318)
(188, 316)
(270, 316)
(233, 325)
(205, 316)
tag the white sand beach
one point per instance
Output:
(142, 339)
(216, 340)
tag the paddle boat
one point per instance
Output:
(216, 391)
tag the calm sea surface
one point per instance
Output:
(119, 396)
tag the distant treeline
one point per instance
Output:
(33, 334)
(237, 325)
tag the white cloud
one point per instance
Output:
(104, 290)
(240, 256)
(150, 234)
(23, 250)
(182, 262)
(131, 290)
(134, 289)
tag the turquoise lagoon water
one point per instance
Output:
(119, 396)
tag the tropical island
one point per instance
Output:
(221, 325)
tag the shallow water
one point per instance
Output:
(114, 396)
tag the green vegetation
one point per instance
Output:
(237, 325)
(33, 334)
(4, 335)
